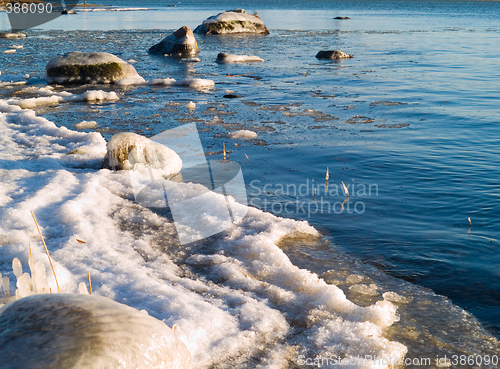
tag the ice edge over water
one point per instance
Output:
(236, 296)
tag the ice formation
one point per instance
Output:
(180, 43)
(53, 98)
(130, 151)
(78, 67)
(196, 83)
(232, 21)
(13, 79)
(224, 58)
(86, 332)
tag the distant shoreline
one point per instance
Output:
(4, 3)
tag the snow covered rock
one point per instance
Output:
(333, 54)
(243, 134)
(12, 35)
(224, 58)
(180, 43)
(232, 21)
(78, 67)
(70, 331)
(130, 151)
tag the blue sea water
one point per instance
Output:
(411, 124)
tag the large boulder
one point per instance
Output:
(333, 54)
(78, 67)
(58, 330)
(232, 21)
(180, 43)
(130, 151)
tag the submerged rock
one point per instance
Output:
(71, 331)
(341, 18)
(232, 21)
(224, 58)
(180, 43)
(78, 67)
(333, 54)
(130, 151)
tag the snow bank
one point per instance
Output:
(78, 67)
(82, 331)
(224, 58)
(235, 296)
(232, 21)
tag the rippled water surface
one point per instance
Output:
(411, 124)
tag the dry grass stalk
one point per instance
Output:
(345, 189)
(47, 251)
(90, 284)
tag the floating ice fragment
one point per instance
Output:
(86, 124)
(224, 58)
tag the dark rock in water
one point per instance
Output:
(232, 96)
(68, 12)
(180, 43)
(232, 21)
(341, 18)
(333, 54)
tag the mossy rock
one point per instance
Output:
(87, 73)
(77, 67)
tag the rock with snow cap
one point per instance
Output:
(180, 43)
(232, 21)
